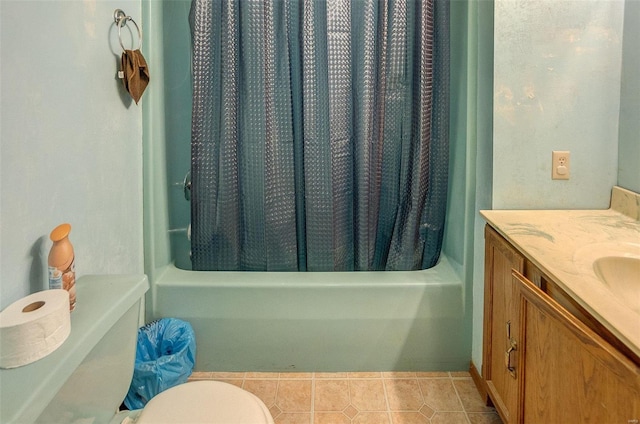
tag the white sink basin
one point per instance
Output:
(622, 275)
(617, 267)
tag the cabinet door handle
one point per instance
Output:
(507, 357)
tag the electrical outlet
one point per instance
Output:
(560, 165)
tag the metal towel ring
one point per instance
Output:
(121, 19)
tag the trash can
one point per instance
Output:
(165, 356)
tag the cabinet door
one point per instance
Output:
(568, 372)
(500, 324)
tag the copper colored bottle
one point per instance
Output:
(62, 267)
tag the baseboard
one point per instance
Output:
(480, 384)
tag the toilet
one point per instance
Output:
(205, 402)
(87, 378)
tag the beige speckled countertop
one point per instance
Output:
(559, 243)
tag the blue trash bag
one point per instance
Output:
(165, 356)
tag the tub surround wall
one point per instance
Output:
(480, 105)
(157, 188)
(70, 141)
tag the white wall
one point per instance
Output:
(556, 87)
(70, 142)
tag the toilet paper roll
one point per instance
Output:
(33, 327)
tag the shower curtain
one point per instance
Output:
(319, 134)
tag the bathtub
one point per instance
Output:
(320, 321)
(248, 321)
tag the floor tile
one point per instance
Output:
(367, 395)
(460, 374)
(449, 418)
(440, 394)
(197, 375)
(364, 375)
(350, 411)
(427, 411)
(294, 395)
(331, 374)
(398, 374)
(371, 418)
(408, 418)
(433, 374)
(331, 395)
(330, 418)
(274, 411)
(227, 375)
(364, 397)
(292, 375)
(266, 390)
(262, 375)
(293, 418)
(237, 383)
(471, 399)
(403, 394)
(484, 418)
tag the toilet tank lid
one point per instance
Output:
(102, 300)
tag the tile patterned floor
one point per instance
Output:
(364, 398)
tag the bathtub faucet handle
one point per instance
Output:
(187, 186)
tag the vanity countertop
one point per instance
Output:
(554, 241)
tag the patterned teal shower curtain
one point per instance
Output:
(319, 134)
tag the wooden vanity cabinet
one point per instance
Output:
(568, 372)
(564, 370)
(500, 323)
